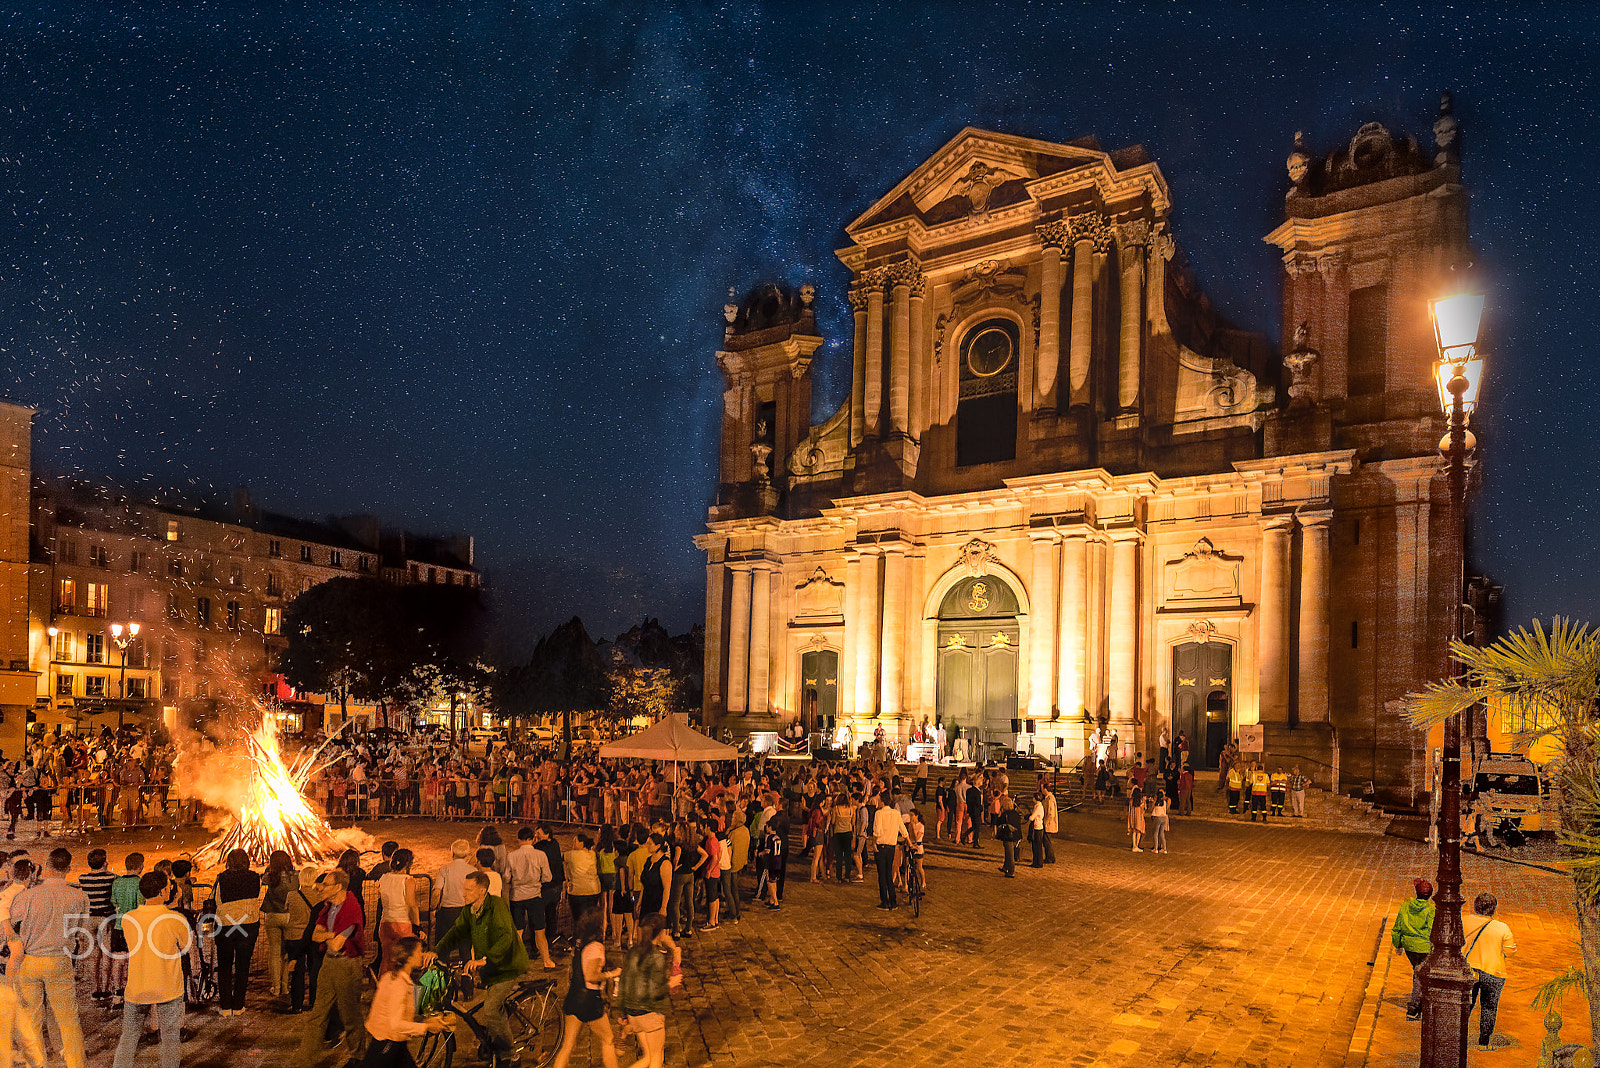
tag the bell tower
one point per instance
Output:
(765, 359)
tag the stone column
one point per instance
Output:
(1272, 615)
(891, 690)
(872, 390)
(1042, 627)
(1071, 697)
(1122, 641)
(1131, 240)
(760, 635)
(920, 381)
(858, 368)
(1313, 635)
(1088, 232)
(1094, 654)
(739, 644)
(715, 577)
(868, 640)
(901, 275)
(1052, 235)
(852, 631)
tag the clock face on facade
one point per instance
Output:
(989, 353)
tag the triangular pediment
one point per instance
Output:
(977, 166)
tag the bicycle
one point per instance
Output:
(532, 1009)
(911, 877)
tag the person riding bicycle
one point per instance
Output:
(498, 956)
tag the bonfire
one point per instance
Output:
(270, 810)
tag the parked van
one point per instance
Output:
(1512, 789)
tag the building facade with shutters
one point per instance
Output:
(1064, 491)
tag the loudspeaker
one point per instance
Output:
(1016, 726)
(1031, 728)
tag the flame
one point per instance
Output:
(269, 808)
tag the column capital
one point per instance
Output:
(1057, 233)
(1125, 534)
(1134, 233)
(1309, 520)
(858, 298)
(1276, 523)
(903, 272)
(1045, 535)
(1091, 226)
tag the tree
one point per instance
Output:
(565, 674)
(651, 693)
(341, 640)
(1552, 680)
(443, 637)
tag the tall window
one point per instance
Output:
(94, 686)
(67, 597)
(174, 607)
(94, 598)
(274, 547)
(136, 561)
(175, 568)
(273, 624)
(274, 585)
(202, 611)
(136, 602)
(986, 408)
(1368, 340)
(69, 550)
(94, 648)
(138, 688)
(172, 530)
(98, 557)
(233, 615)
(333, 558)
(201, 652)
(64, 685)
(305, 553)
(236, 576)
(63, 645)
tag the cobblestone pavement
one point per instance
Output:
(1246, 945)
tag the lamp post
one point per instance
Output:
(1447, 979)
(122, 673)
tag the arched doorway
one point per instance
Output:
(1202, 698)
(978, 638)
(819, 689)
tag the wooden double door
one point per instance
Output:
(1202, 699)
(978, 658)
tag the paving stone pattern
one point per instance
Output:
(1246, 945)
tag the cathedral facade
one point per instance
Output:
(1064, 491)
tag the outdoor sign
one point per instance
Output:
(1252, 738)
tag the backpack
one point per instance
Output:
(724, 854)
(303, 943)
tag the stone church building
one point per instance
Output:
(1065, 490)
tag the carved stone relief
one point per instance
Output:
(1203, 575)
(977, 557)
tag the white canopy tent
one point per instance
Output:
(671, 739)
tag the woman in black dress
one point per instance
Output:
(584, 1006)
(655, 878)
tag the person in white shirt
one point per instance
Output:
(392, 1020)
(530, 871)
(1036, 828)
(450, 885)
(888, 828)
(398, 908)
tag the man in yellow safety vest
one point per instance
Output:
(1235, 785)
(1259, 782)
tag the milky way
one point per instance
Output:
(463, 265)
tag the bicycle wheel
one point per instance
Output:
(535, 1026)
(916, 903)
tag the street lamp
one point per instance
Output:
(1447, 979)
(122, 674)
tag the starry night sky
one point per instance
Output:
(463, 265)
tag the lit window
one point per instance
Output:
(274, 622)
(202, 611)
(94, 686)
(63, 645)
(94, 598)
(233, 615)
(94, 648)
(67, 597)
(64, 685)
(138, 688)
(172, 530)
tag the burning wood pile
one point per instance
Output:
(270, 810)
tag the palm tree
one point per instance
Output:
(1553, 680)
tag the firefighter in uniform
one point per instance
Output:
(1278, 789)
(1235, 784)
(1259, 781)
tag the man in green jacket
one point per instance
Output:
(1413, 935)
(497, 956)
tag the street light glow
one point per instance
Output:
(1455, 325)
